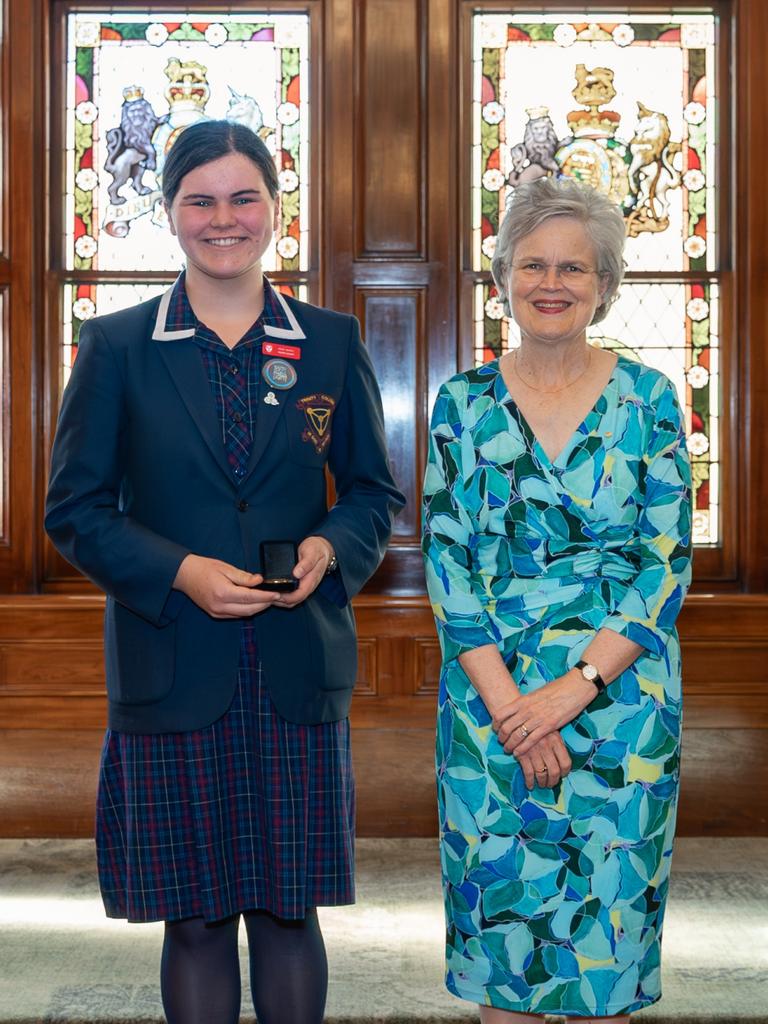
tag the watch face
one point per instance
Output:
(589, 672)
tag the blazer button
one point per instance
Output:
(242, 506)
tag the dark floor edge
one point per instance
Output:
(470, 1019)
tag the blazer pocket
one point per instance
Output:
(333, 642)
(309, 425)
(140, 657)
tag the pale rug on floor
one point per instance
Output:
(63, 962)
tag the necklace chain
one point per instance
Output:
(555, 391)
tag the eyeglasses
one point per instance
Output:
(569, 273)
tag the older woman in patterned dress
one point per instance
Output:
(557, 549)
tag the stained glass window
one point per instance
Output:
(134, 81)
(628, 106)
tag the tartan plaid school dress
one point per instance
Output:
(253, 811)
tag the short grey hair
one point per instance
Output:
(537, 201)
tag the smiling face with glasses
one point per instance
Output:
(554, 285)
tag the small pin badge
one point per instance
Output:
(269, 398)
(279, 374)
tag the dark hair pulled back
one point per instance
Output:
(205, 141)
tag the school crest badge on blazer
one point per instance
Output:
(318, 411)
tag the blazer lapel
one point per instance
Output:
(182, 358)
(272, 401)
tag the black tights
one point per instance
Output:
(200, 970)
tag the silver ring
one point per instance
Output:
(523, 731)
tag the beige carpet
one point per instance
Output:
(62, 961)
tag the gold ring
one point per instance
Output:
(544, 771)
(523, 731)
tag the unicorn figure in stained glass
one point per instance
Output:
(244, 109)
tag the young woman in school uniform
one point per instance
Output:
(194, 428)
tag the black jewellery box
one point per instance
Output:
(278, 560)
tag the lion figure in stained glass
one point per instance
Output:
(535, 155)
(129, 148)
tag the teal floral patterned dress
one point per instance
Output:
(555, 897)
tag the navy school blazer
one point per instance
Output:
(139, 479)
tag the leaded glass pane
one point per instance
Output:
(627, 106)
(134, 81)
(84, 301)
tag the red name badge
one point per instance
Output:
(272, 348)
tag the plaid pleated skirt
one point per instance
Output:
(251, 812)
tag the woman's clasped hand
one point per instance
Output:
(528, 719)
(546, 763)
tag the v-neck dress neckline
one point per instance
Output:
(579, 430)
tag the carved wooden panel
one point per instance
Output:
(367, 681)
(428, 661)
(52, 666)
(393, 324)
(389, 156)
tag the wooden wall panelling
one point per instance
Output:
(752, 217)
(412, 40)
(51, 722)
(367, 683)
(393, 325)
(428, 662)
(389, 155)
(5, 399)
(48, 781)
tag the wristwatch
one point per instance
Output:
(333, 565)
(591, 674)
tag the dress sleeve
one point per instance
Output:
(648, 611)
(447, 538)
